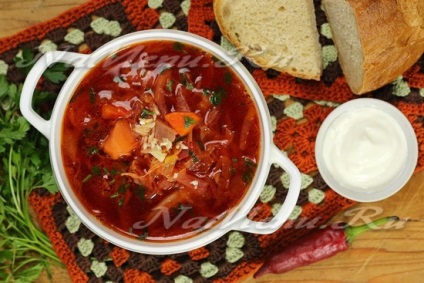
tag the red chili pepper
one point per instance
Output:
(314, 247)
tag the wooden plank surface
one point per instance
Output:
(16, 15)
(395, 255)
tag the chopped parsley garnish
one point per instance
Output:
(188, 122)
(144, 235)
(92, 95)
(248, 173)
(123, 188)
(247, 177)
(228, 78)
(178, 46)
(207, 91)
(185, 82)
(215, 96)
(141, 192)
(190, 86)
(96, 171)
(169, 85)
(93, 150)
(115, 195)
(120, 193)
(201, 145)
(146, 113)
(88, 177)
(215, 100)
(250, 164)
(193, 156)
(182, 207)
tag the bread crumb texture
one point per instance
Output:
(280, 35)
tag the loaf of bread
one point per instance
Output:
(278, 34)
(376, 40)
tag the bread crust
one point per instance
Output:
(219, 11)
(392, 39)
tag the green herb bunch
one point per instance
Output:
(24, 166)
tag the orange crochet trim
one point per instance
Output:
(199, 253)
(119, 256)
(268, 240)
(136, 276)
(260, 212)
(200, 12)
(316, 114)
(311, 90)
(284, 134)
(298, 139)
(169, 267)
(414, 77)
(241, 272)
(304, 146)
(40, 30)
(42, 207)
(415, 113)
(140, 16)
(292, 229)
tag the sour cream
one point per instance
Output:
(364, 149)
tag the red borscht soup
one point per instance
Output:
(160, 140)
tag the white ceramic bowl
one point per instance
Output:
(235, 220)
(399, 179)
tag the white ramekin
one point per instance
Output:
(398, 181)
(235, 220)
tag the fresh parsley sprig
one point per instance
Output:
(56, 73)
(25, 251)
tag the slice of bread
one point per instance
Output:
(377, 40)
(278, 34)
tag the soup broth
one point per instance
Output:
(160, 140)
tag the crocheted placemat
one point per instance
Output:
(298, 107)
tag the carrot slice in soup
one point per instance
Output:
(182, 122)
(111, 112)
(121, 140)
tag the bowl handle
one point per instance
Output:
(42, 125)
(254, 227)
